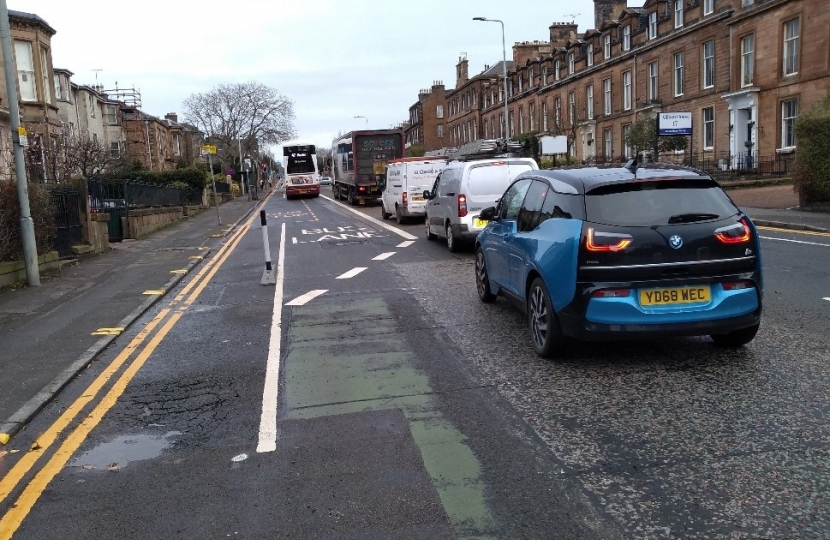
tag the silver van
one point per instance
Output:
(463, 190)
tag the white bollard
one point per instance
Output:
(268, 277)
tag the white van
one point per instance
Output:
(406, 181)
(463, 190)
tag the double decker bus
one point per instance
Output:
(301, 174)
(360, 159)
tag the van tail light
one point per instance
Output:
(612, 293)
(734, 234)
(462, 205)
(736, 285)
(404, 198)
(603, 242)
(362, 188)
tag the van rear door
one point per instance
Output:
(488, 181)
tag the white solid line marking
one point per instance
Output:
(293, 239)
(826, 298)
(268, 421)
(307, 297)
(795, 241)
(395, 230)
(406, 244)
(352, 273)
(384, 256)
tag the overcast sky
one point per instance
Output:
(334, 58)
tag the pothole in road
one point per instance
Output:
(123, 450)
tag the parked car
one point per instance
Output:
(325, 180)
(463, 190)
(618, 253)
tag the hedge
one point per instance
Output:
(11, 244)
(812, 160)
(191, 176)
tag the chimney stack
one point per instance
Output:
(461, 73)
(173, 117)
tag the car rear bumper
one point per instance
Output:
(622, 318)
(464, 233)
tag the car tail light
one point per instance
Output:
(612, 293)
(404, 198)
(462, 205)
(605, 241)
(736, 285)
(734, 234)
(362, 188)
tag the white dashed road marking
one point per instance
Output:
(406, 244)
(352, 273)
(795, 241)
(826, 298)
(307, 297)
(384, 256)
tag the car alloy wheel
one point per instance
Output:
(482, 279)
(452, 243)
(544, 326)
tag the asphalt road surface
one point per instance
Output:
(382, 400)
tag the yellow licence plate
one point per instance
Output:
(679, 295)
(479, 223)
(417, 197)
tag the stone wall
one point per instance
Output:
(12, 272)
(147, 220)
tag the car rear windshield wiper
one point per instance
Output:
(688, 218)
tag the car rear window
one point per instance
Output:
(492, 179)
(658, 202)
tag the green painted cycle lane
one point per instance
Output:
(328, 373)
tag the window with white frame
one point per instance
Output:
(530, 78)
(25, 70)
(709, 64)
(653, 89)
(544, 116)
(570, 63)
(627, 90)
(708, 7)
(589, 100)
(626, 133)
(44, 73)
(627, 38)
(606, 47)
(708, 128)
(607, 150)
(112, 115)
(557, 111)
(678, 13)
(606, 91)
(531, 112)
(678, 74)
(747, 60)
(91, 104)
(556, 69)
(115, 149)
(520, 83)
(789, 110)
(512, 123)
(589, 55)
(791, 35)
(521, 120)
(544, 75)
(176, 146)
(571, 107)
(439, 111)
(652, 25)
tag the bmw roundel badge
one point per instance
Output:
(675, 242)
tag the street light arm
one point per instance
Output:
(504, 72)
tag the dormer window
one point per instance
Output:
(652, 25)
(678, 13)
(570, 63)
(626, 40)
(590, 54)
(556, 69)
(606, 49)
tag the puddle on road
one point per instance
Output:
(119, 452)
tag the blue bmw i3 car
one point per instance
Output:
(619, 253)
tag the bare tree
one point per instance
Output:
(253, 113)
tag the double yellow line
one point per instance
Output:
(12, 519)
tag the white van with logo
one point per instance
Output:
(463, 190)
(406, 181)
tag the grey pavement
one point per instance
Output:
(50, 333)
(46, 332)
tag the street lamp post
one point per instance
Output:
(365, 118)
(504, 72)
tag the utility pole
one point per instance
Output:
(27, 225)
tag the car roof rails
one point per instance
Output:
(487, 149)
